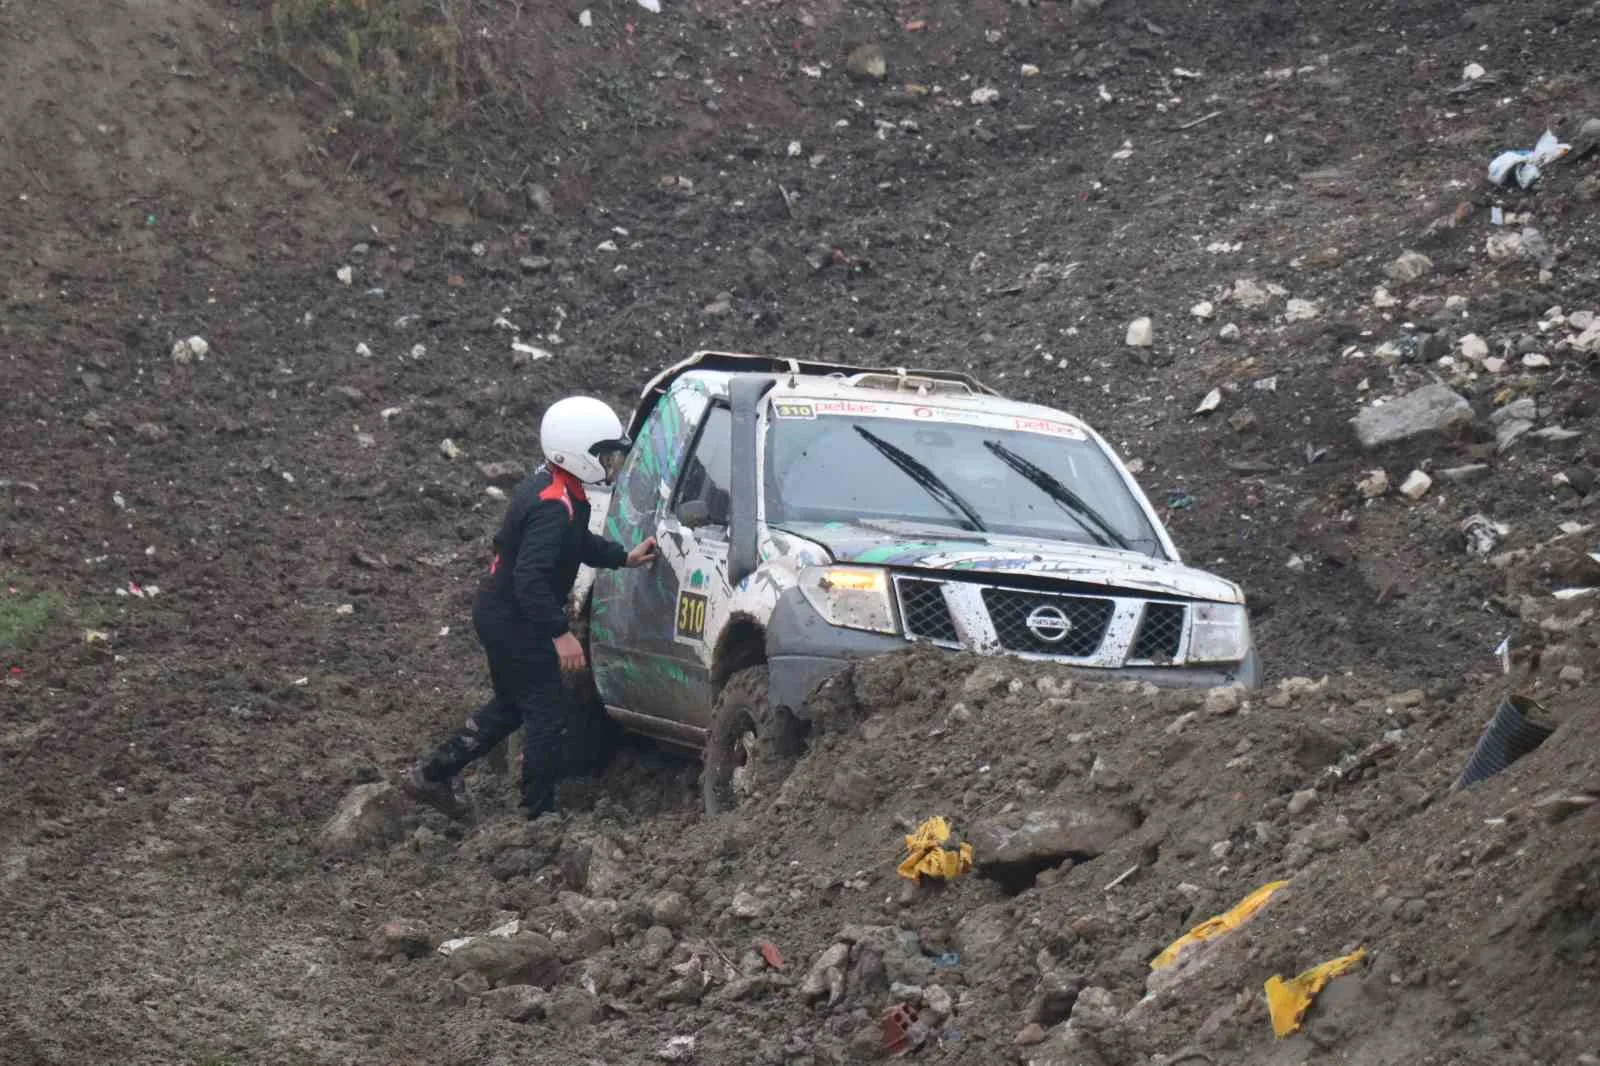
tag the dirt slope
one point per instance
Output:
(170, 757)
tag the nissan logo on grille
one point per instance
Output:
(1049, 624)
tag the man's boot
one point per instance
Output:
(440, 795)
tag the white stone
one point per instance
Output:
(1536, 361)
(1474, 348)
(1141, 333)
(1375, 484)
(1203, 310)
(449, 449)
(1383, 299)
(1248, 294)
(345, 275)
(1229, 332)
(1416, 485)
(985, 95)
(1301, 311)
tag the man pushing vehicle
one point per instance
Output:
(520, 611)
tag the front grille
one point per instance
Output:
(926, 615)
(1160, 633)
(1068, 626)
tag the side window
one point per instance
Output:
(703, 497)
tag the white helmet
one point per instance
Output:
(577, 433)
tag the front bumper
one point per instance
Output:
(804, 650)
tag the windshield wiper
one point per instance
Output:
(1070, 501)
(918, 471)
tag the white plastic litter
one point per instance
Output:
(652, 6)
(1526, 164)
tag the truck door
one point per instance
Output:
(654, 628)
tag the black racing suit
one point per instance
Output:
(520, 609)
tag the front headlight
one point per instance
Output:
(853, 597)
(1218, 633)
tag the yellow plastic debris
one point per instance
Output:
(930, 853)
(1212, 928)
(1288, 1000)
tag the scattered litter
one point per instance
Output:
(1527, 163)
(1288, 1001)
(1482, 535)
(1178, 500)
(95, 636)
(1214, 927)
(1374, 485)
(1513, 732)
(770, 954)
(389, 412)
(932, 851)
(948, 960)
(679, 1048)
(529, 352)
(418, 351)
(1122, 877)
(190, 350)
(449, 449)
(345, 609)
(899, 1028)
(652, 6)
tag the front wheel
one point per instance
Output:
(749, 744)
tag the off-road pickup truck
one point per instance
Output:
(809, 514)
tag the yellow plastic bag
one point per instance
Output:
(929, 853)
(1212, 928)
(1288, 1001)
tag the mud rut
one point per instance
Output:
(169, 758)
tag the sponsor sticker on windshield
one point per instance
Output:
(929, 414)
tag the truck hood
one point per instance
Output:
(888, 545)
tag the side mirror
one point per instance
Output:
(694, 514)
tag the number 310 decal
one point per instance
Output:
(691, 615)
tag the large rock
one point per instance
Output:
(518, 1003)
(400, 937)
(596, 865)
(1411, 266)
(983, 934)
(368, 817)
(521, 959)
(1430, 409)
(669, 909)
(1048, 837)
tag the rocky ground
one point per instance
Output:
(233, 574)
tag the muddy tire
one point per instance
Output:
(750, 744)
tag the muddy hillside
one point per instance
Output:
(286, 284)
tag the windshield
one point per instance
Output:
(1047, 481)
